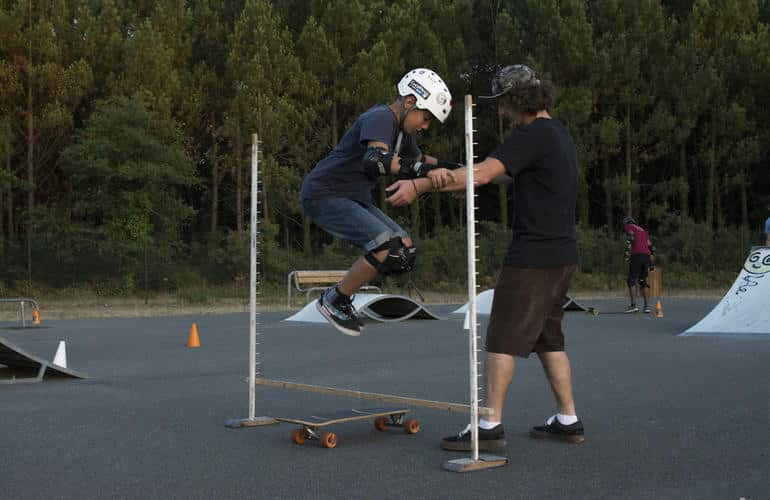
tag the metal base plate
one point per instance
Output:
(236, 423)
(470, 465)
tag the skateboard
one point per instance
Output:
(595, 312)
(383, 418)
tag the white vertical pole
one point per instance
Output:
(470, 213)
(253, 275)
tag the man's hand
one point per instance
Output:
(401, 192)
(440, 177)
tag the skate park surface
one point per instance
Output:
(666, 416)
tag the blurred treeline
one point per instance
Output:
(125, 133)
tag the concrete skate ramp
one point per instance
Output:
(743, 311)
(484, 304)
(20, 366)
(373, 306)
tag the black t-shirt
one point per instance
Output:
(542, 160)
(341, 173)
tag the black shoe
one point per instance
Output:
(339, 313)
(489, 439)
(348, 307)
(647, 309)
(553, 429)
(633, 308)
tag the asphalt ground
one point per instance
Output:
(665, 416)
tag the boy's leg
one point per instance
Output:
(362, 272)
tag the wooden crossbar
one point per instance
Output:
(373, 396)
(304, 277)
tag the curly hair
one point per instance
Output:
(529, 99)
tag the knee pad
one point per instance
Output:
(400, 258)
(630, 281)
(643, 283)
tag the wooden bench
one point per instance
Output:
(310, 281)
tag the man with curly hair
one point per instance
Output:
(540, 157)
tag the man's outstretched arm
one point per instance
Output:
(404, 192)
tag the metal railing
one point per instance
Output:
(21, 302)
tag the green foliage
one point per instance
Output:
(665, 103)
(127, 170)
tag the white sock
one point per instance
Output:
(487, 424)
(566, 419)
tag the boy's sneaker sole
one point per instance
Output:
(353, 332)
(486, 445)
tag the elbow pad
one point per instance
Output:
(412, 169)
(376, 162)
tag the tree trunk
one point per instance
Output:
(718, 203)
(30, 162)
(238, 181)
(435, 199)
(629, 207)
(335, 137)
(607, 195)
(744, 200)
(9, 207)
(710, 177)
(744, 210)
(583, 201)
(307, 241)
(684, 202)
(265, 200)
(215, 188)
(414, 210)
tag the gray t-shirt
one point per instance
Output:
(341, 173)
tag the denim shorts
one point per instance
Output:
(362, 225)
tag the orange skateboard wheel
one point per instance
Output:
(381, 423)
(298, 436)
(412, 426)
(329, 440)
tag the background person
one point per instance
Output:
(640, 254)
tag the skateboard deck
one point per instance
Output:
(596, 312)
(383, 418)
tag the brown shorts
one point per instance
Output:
(527, 310)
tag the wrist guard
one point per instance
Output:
(412, 169)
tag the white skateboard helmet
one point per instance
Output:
(430, 91)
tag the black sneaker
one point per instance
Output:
(339, 313)
(348, 307)
(553, 429)
(489, 439)
(633, 308)
(647, 310)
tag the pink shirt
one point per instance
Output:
(641, 242)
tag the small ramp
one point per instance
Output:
(373, 306)
(485, 298)
(743, 311)
(22, 366)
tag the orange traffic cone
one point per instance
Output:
(35, 317)
(658, 310)
(193, 340)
